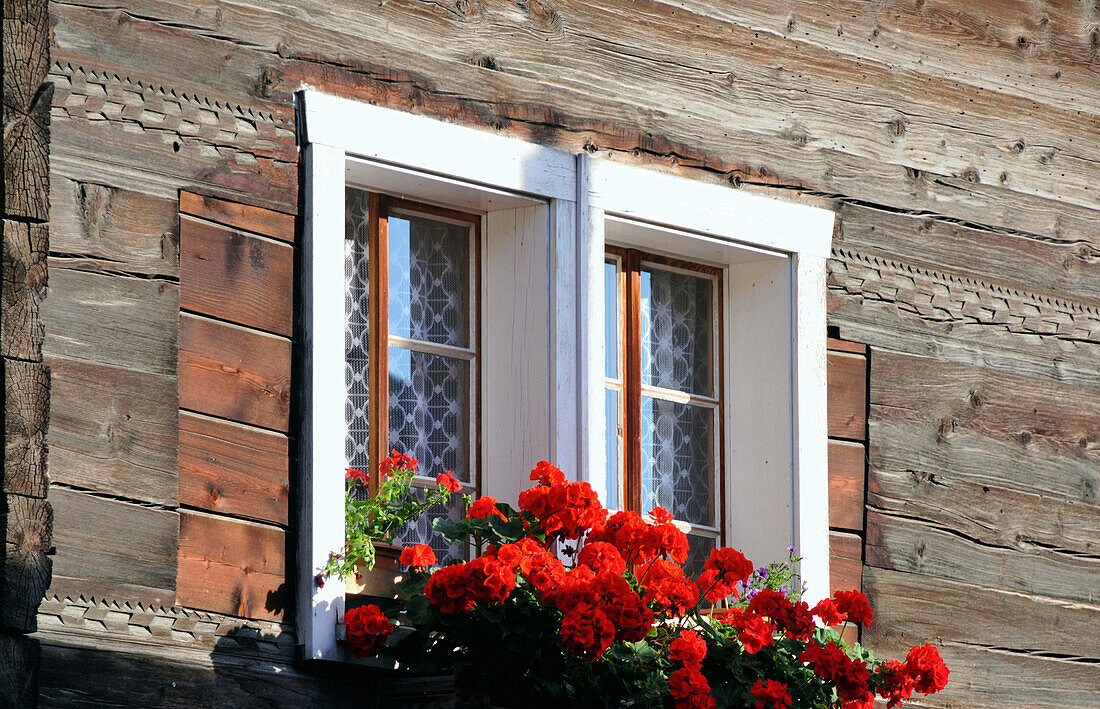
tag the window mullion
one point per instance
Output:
(632, 382)
(378, 299)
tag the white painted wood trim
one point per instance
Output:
(811, 469)
(565, 327)
(724, 212)
(434, 146)
(323, 395)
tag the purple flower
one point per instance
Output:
(783, 590)
(762, 572)
(792, 549)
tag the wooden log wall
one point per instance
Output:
(26, 516)
(958, 143)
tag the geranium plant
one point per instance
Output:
(566, 605)
(371, 519)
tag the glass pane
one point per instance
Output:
(356, 321)
(430, 411)
(611, 320)
(429, 276)
(677, 459)
(420, 531)
(612, 451)
(699, 548)
(676, 323)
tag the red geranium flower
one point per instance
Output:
(417, 555)
(601, 556)
(754, 632)
(688, 648)
(926, 669)
(353, 475)
(660, 515)
(484, 507)
(587, 632)
(547, 474)
(827, 612)
(854, 606)
(770, 693)
(397, 461)
(690, 689)
(367, 630)
(446, 480)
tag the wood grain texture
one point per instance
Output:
(231, 566)
(233, 276)
(113, 549)
(27, 523)
(114, 430)
(112, 319)
(835, 345)
(26, 111)
(268, 222)
(976, 425)
(847, 471)
(918, 546)
(74, 668)
(847, 391)
(1044, 54)
(917, 608)
(845, 561)
(119, 229)
(19, 669)
(26, 420)
(233, 469)
(234, 373)
(1067, 269)
(22, 289)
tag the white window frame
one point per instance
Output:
(527, 193)
(774, 258)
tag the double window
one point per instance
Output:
(481, 303)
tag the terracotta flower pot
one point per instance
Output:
(379, 582)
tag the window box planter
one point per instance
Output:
(380, 581)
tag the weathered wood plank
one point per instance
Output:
(847, 471)
(112, 319)
(23, 288)
(847, 389)
(27, 523)
(233, 372)
(1042, 53)
(234, 469)
(919, 546)
(107, 548)
(277, 225)
(233, 276)
(762, 153)
(997, 515)
(127, 230)
(231, 566)
(835, 345)
(985, 427)
(915, 608)
(1067, 270)
(1017, 334)
(74, 668)
(845, 561)
(114, 430)
(19, 670)
(26, 420)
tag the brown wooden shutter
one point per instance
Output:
(847, 390)
(235, 330)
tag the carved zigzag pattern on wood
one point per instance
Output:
(165, 626)
(944, 297)
(99, 96)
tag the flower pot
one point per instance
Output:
(379, 582)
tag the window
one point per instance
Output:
(663, 371)
(411, 280)
(662, 338)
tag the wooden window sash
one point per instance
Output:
(381, 207)
(630, 263)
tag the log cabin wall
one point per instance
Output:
(958, 144)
